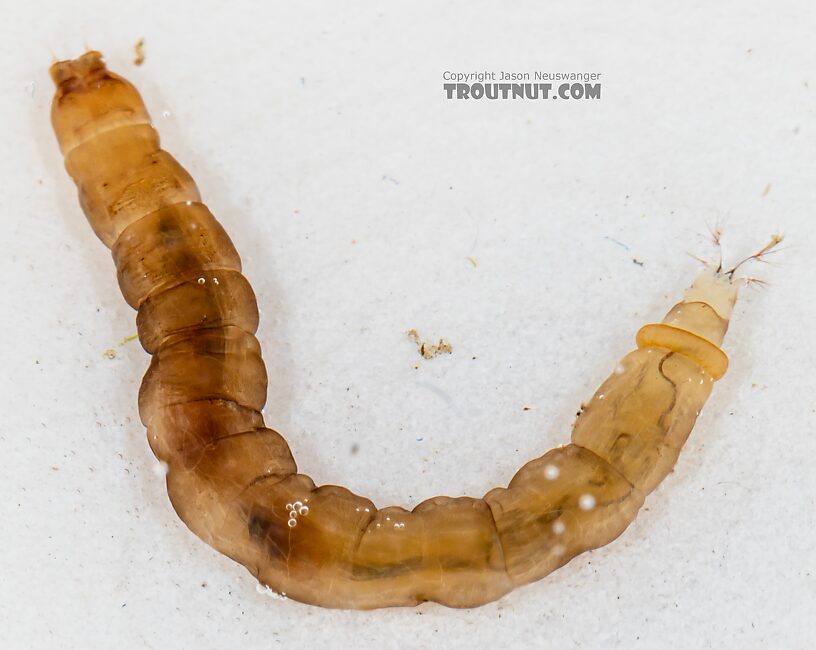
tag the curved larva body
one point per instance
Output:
(234, 482)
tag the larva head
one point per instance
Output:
(75, 71)
(90, 99)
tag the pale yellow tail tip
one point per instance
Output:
(715, 289)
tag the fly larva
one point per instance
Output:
(234, 482)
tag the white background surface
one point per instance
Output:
(310, 126)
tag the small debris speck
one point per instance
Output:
(430, 350)
(140, 53)
(128, 339)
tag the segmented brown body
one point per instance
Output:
(233, 481)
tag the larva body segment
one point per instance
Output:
(641, 416)
(234, 482)
(168, 245)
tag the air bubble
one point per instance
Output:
(551, 472)
(586, 502)
(201, 280)
(268, 591)
(303, 510)
(161, 468)
(292, 523)
(559, 527)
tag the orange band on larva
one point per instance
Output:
(233, 481)
(695, 347)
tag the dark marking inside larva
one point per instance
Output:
(270, 535)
